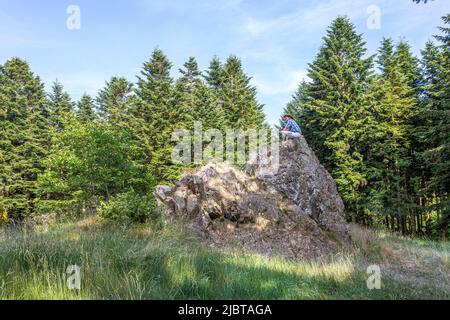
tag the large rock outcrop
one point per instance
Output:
(295, 212)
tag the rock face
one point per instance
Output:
(295, 212)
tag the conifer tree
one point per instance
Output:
(60, 105)
(434, 129)
(240, 105)
(196, 100)
(304, 116)
(24, 136)
(86, 112)
(215, 73)
(185, 97)
(335, 102)
(391, 154)
(152, 123)
(214, 79)
(114, 101)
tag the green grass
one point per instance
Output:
(141, 262)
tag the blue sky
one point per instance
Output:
(275, 39)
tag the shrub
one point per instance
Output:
(90, 164)
(129, 206)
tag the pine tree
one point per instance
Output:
(240, 105)
(114, 101)
(304, 116)
(391, 153)
(24, 137)
(409, 65)
(86, 112)
(152, 123)
(214, 79)
(434, 130)
(335, 104)
(196, 101)
(215, 73)
(185, 99)
(60, 105)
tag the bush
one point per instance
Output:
(129, 206)
(90, 164)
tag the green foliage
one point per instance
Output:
(139, 262)
(196, 100)
(240, 106)
(384, 137)
(114, 101)
(152, 124)
(85, 111)
(129, 206)
(60, 106)
(90, 163)
(332, 105)
(434, 126)
(24, 136)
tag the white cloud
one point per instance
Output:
(288, 84)
(306, 21)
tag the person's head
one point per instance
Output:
(288, 117)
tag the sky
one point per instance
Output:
(276, 40)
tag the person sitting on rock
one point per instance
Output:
(292, 129)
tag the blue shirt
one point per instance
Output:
(292, 126)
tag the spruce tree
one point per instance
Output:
(24, 137)
(185, 100)
(152, 122)
(114, 101)
(240, 105)
(60, 105)
(434, 129)
(215, 73)
(335, 101)
(391, 153)
(214, 77)
(86, 113)
(296, 107)
(196, 101)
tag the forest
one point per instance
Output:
(379, 124)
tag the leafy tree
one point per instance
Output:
(90, 163)
(24, 137)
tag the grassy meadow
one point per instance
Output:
(166, 262)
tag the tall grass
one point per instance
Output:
(144, 262)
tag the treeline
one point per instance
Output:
(381, 126)
(106, 154)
